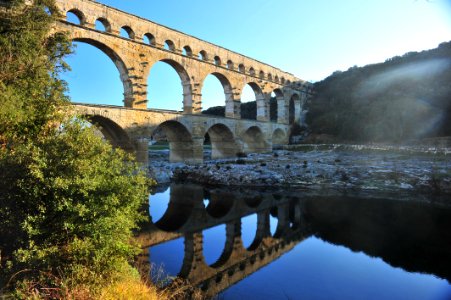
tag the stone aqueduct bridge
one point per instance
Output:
(193, 59)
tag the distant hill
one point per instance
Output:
(406, 97)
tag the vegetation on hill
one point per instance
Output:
(404, 98)
(68, 201)
(248, 110)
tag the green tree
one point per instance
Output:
(68, 201)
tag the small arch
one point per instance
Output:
(176, 215)
(241, 68)
(261, 75)
(269, 76)
(217, 60)
(279, 137)
(127, 32)
(219, 203)
(282, 80)
(169, 45)
(276, 79)
(252, 71)
(103, 24)
(288, 82)
(222, 141)
(253, 201)
(149, 39)
(186, 51)
(76, 16)
(112, 132)
(203, 55)
(254, 140)
(179, 139)
(230, 65)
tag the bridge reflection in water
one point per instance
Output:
(414, 236)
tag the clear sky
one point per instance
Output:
(309, 38)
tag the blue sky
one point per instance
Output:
(309, 38)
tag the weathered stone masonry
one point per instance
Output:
(193, 59)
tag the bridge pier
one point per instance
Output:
(191, 152)
(142, 151)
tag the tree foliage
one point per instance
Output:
(248, 110)
(68, 200)
(405, 98)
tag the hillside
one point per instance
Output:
(405, 98)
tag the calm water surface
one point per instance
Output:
(245, 244)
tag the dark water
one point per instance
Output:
(242, 244)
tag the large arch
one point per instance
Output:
(261, 107)
(181, 146)
(277, 107)
(112, 132)
(227, 89)
(116, 59)
(222, 141)
(292, 111)
(254, 141)
(185, 83)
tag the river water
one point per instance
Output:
(289, 244)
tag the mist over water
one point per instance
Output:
(411, 73)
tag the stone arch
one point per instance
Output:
(169, 45)
(217, 61)
(262, 111)
(230, 65)
(105, 23)
(187, 51)
(261, 75)
(79, 14)
(282, 80)
(219, 204)
(222, 141)
(279, 137)
(252, 71)
(117, 60)
(241, 68)
(129, 31)
(203, 55)
(227, 86)
(150, 39)
(292, 108)
(254, 140)
(276, 79)
(231, 237)
(112, 132)
(179, 139)
(269, 76)
(185, 80)
(176, 215)
(279, 105)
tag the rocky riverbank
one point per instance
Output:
(316, 168)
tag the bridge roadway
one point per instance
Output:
(132, 129)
